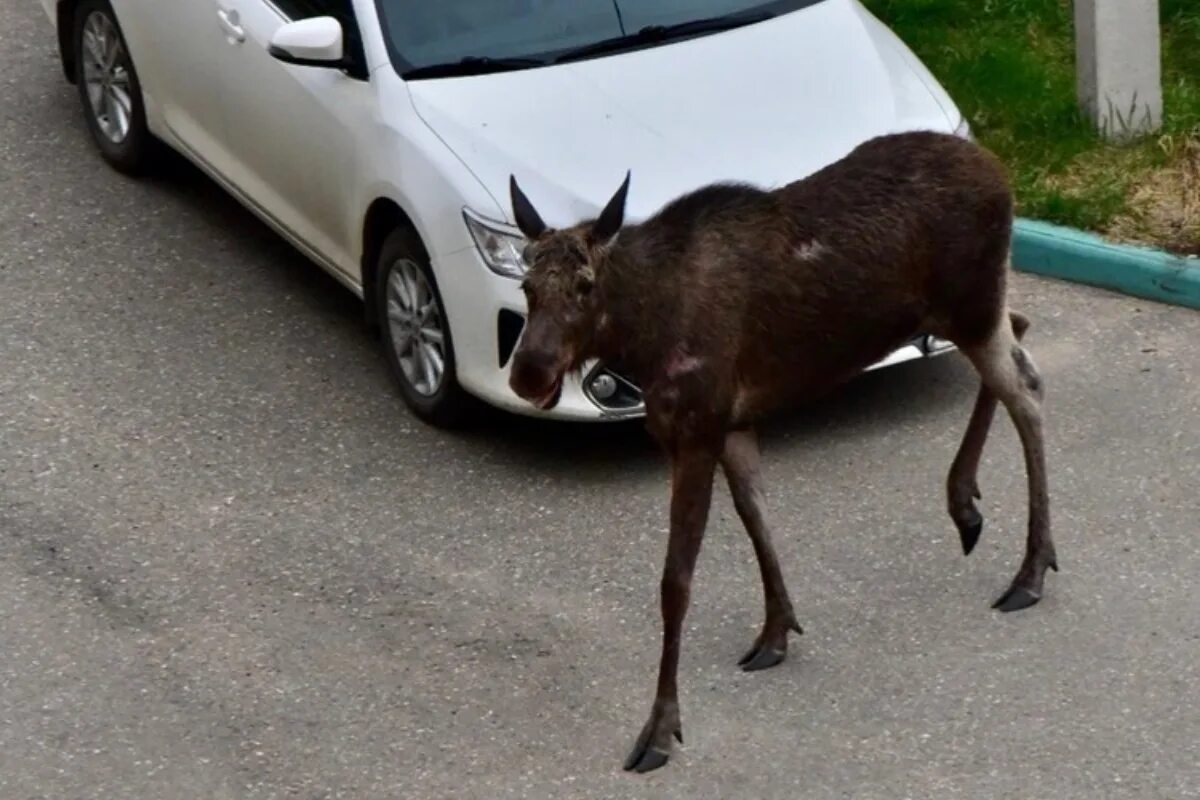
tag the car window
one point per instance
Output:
(425, 32)
(304, 9)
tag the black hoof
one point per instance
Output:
(761, 657)
(1017, 598)
(646, 759)
(770, 648)
(969, 531)
(653, 745)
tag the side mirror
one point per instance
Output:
(314, 42)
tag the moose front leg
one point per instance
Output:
(692, 471)
(740, 462)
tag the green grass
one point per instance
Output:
(1010, 65)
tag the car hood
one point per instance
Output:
(765, 104)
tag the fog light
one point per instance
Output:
(935, 344)
(604, 386)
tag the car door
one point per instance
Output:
(292, 131)
(178, 45)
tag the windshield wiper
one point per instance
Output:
(472, 65)
(655, 34)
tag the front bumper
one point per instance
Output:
(487, 314)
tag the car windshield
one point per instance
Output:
(513, 34)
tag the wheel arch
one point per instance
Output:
(64, 22)
(383, 216)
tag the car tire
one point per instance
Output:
(109, 89)
(416, 335)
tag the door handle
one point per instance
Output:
(229, 22)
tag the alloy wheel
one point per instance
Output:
(106, 75)
(415, 322)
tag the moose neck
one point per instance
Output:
(636, 301)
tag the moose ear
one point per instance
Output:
(527, 217)
(612, 217)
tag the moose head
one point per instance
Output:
(562, 267)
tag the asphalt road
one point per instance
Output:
(232, 566)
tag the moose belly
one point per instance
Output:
(809, 360)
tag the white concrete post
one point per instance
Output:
(1119, 62)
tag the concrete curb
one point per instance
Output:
(1073, 255)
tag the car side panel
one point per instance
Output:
(176, 46)
(295, 137)
(146, 51)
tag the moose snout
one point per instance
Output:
(536, 377)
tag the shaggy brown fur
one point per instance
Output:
(733, 302)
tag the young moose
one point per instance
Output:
(732, 302)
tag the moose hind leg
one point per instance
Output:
(1009, 372)
(962, 487)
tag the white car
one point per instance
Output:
(379, 136)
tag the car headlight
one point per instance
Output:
(501, 246)
(964, 130)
